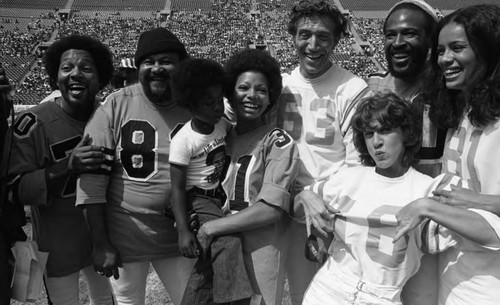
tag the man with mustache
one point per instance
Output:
(124, 200)
(408, 31)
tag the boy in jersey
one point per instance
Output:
(124, 202)
(315, 108)
(197, 153)
(39, 172)
(370, 262)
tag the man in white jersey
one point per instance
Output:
(315, 108)
(124, 201)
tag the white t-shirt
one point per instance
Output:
(203, 154)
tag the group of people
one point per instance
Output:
(227, 179)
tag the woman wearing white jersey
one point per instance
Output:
(370, 260)
(466, 62)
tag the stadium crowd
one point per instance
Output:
(357, 175)
(216, 34)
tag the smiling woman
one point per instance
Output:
(39, 172)
(467, 102)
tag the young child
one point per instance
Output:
(197, 153)
(368, 264)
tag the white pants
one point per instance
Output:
(65, 290)
(173, 272)
(330, 286)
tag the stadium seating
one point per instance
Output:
(209, 28)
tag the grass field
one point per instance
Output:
(155, 292)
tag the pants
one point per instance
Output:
(333, 287)
(173, 272)
(223, 278)
(299, 270)
(65, 290)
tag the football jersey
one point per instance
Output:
(264, 164)
(363, 247)
(472, 276)
(431, 151)
(202, 154)
(44, 136)
(135, 186)
(317, 113)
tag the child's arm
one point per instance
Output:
(187, 242)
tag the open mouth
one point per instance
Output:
(400, 56)
(452, 73)
(76, 89)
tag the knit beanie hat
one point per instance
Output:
(424, 6)
(157, 41)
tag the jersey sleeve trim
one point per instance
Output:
(274, 195)
(91, 189)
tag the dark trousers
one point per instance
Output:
(221, 278)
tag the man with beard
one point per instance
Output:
(408, 31)
(124, 201)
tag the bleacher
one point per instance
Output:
(33, 4)
(118, 5)
(191, 5)
(209, 28)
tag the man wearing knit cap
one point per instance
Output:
(124, 200)
(408, 30)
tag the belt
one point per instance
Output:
(212, 193)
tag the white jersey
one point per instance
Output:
(317, 113)
(202, 154)
(363, 251)
(472, 277)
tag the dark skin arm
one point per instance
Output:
(187, 241)
(255, 216)
(465, 198)
(462, 221)
(106, 256)
(85, 157)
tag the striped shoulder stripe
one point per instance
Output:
(106, 166)
(354, 103)
(447, 181)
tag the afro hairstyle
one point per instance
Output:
(254, 60)
(100, 53)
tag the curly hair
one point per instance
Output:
(390, 111)
(320, 8)
(481, 24)
(102, 57)
(191, 79)
(254, 60)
